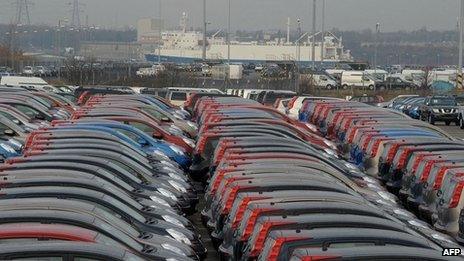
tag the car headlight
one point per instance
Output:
(173, 249)
(387, 196)
(331, 144)
(331, 152)
(442, 238)
(173, 221)
(189, 142)
(159, 201)
(175, 176)
(178, 236)
(177, 149)
(370, 180)
(193, 125)
(351, 166)
(436, 110)
(160, 153)
(418, 224)
(403, 212)
(167, 193)
(177, 186)
(178, 116)
(167, 164)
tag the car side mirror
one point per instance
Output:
(40, 117)
(9, 132)
(157, 135)
(142, 142)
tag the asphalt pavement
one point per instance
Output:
(452, 129)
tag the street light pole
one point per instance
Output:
(298, 55)
(228, 34)
(377, 31)
(323, 32)
(159, 30)
(204, 30)
(313, 52)
(461, 27)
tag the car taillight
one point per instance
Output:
(241, 209)
(428, 167)
(12, 161)
(291, 103)
(403, 158)
(34, 153)
(366, 142)
(252, 221)
(275, 251)
(392, 152)
(201, 143)
(376, 146)
(439, 178)
(259, 243)
(456, 195)
(352, 134)
(231, 198)
(217, 178)
(417, 161)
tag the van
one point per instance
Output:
(379, 75)
(178, 95)
(357, 79)
(448, 75)
(414, 76)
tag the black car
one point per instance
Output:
(439, 108)
(396, 83)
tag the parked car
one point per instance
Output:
(440, 108)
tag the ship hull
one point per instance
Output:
(245, 54)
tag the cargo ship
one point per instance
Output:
(182, 46)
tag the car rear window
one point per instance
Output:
(178, 96)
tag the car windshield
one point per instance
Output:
(460, 100)
(443, 101)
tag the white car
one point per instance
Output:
(281, 105)
(29, 71)
(295, 104)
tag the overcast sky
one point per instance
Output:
(254, 14)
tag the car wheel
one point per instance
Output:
(329, 87)
(345, 87)
(431, 120)
(447, 123)
(371, 87)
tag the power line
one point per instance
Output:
(22, 12)
(76, 13)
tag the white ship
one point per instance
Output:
(187, 46)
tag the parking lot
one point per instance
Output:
(453, 130)
(202, 175)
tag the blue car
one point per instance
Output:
(137, 138)
(8, 149)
